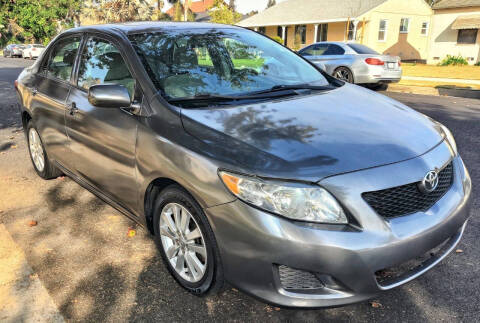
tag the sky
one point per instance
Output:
(243, 6)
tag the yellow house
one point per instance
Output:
(395, 27)
(455, 30)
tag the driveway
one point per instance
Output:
(85, 267)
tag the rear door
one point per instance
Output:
(333, 57)
(50, 91)
(102, 140)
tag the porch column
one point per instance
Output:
(355, 24)
(283, 34)
(315, 34)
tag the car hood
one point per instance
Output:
(313, 136)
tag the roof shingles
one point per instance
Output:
(291, 12)
(448, 4)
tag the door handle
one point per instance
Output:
(73, 108)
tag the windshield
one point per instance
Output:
(201, 62)
(362, 49)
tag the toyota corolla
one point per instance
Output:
(246, 162)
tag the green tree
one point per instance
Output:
(222, 14)
(271, 3)
(36, 20)
(182, 10)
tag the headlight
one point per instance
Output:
(295, 201)
(449, 138)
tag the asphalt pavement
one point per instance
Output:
(91, 270)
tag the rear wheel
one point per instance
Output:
(344, 74)
(42, 165)
(186, 242)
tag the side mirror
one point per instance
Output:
(109, 96)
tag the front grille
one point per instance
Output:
(407, 199)
(295, 279)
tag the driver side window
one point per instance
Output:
(102, 63)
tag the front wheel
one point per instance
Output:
(344, 74)
(42, 165)
(186, 242)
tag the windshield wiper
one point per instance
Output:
(231, 98)
(285, 87)
(273, 92)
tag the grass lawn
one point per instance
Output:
(467, 72)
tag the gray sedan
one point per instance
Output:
(354, 63)
(291, 185)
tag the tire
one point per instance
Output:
(344, 74)
(206, 254)
(36, 151)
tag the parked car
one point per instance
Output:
(246, 162)
(32, 51)
(13, 50)
(354, 63)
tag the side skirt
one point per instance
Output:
(100, 195)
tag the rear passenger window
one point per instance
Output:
(334, 50)
(62, 58)
(101, 63)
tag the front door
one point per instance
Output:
(102, 140)
(50, 91)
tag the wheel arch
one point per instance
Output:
(26, 117)
(153, 189)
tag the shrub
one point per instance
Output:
(453, 60)
(278, 39)
(478, 63)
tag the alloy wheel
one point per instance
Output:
(183, 242)
(36, 149)
(344, 75)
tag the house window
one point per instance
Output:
(404, 25)
(424, 31)
(280, 31)
(382, 30)
(350, 31)
(262, 30)
(302, 31)
(467, 36)
(322, 32)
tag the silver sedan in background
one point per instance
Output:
(354, 63)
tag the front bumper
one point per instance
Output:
(253, 244)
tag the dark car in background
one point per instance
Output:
(13, 50)
(246, 162)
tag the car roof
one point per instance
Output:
(148, 26)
